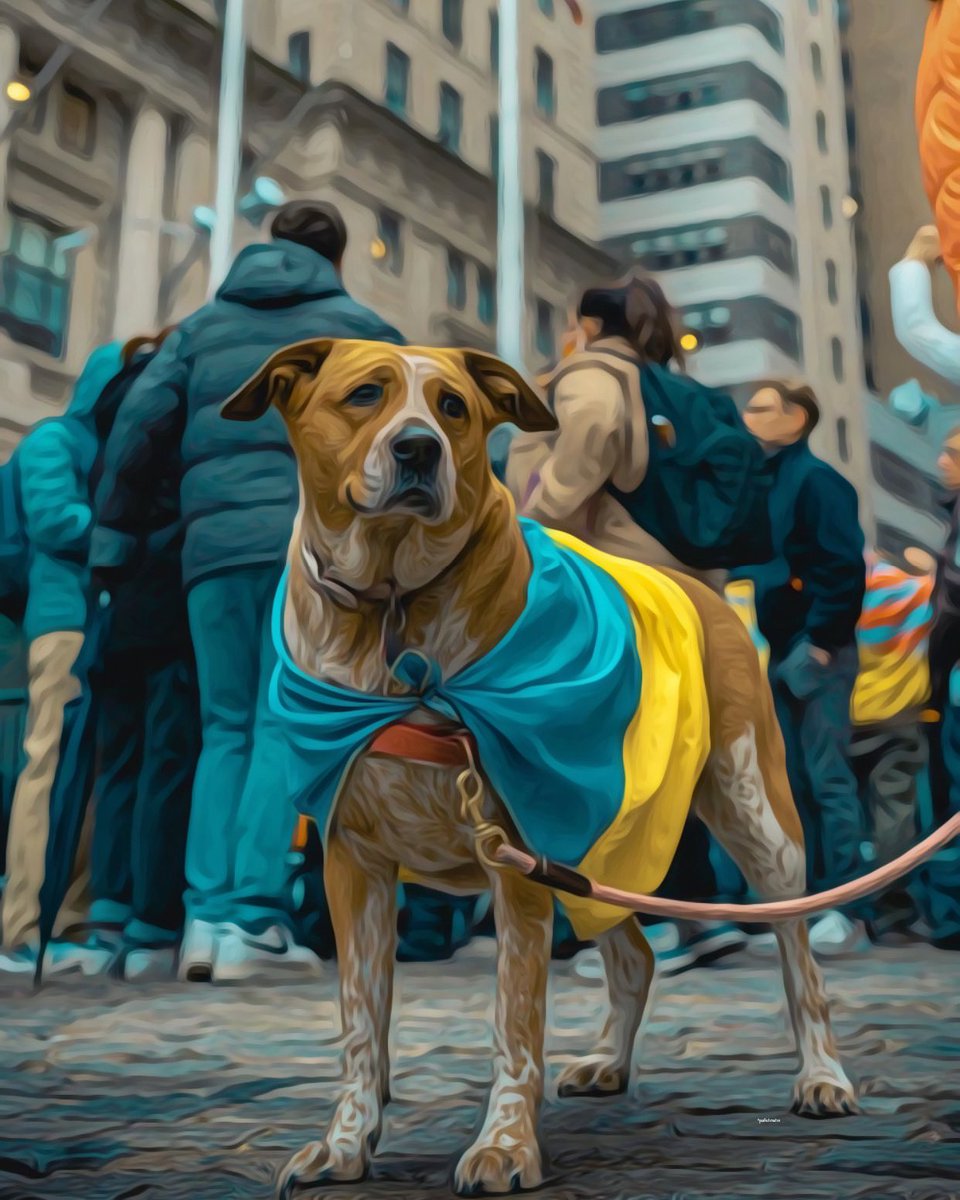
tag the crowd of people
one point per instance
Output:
(142, 542)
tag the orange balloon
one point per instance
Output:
(938, 126)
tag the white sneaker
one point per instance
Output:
(198, 949)
(92, 957)
(265, 957)
(149, 965)
(834, 934)
(21, 961)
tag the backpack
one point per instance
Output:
(705, 494)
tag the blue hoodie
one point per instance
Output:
(239, 490)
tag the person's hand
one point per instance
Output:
(823, 657)
(925, 246)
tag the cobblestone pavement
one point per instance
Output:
(109, 1092)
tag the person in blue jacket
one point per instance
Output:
(51, 485)
(808, 601)
(238, 495)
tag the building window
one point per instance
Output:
(546, 182)
(456, 280)
(494, 43)
(708, 242)
(452, 21)
(677, 18)
(691, 90)
(903, 480)
(752, 318)
(822, 132)
(298, 55)
(401, 5)
(35, 292)
(816, 61)
(826, 207)
(494, 132)
(544, 335)
(451, 118)
(546, 93)
(486, 296)
(389, 232)
(836, 351)
(832, 281)
(843, 442)
(814, 6)
(546, 7)
(398, 80)
(690, 166)
(78, 121)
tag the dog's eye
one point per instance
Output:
(365, 395)
(453, 406)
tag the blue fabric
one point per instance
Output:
(817, 540)
(549, 707)
(239, 489)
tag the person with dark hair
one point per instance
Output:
(809, 597)
(238, 497)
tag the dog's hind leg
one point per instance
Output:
(361, 889)
(628, 963)
(735, 802)
(506, 1155)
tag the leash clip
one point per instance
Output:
(487, 836)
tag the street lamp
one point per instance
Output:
(229, 138)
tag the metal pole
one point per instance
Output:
(510, 257)
(229, 141)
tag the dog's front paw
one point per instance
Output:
(597, 1076)
(340, 1161)
(495, 1167)
(825, 1097)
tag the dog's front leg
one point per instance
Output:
(506, 1154)
(361, 891)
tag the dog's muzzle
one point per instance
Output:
(417, 453)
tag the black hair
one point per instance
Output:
(312, 223)
(636, 308)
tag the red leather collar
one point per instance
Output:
(418, 743)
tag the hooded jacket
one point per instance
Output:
(47, 508)
(239, 489)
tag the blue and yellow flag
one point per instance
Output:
(590, 717)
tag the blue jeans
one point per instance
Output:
(813, 707)
(148, 743)
(241, 822)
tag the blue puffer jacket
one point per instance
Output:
(239, 490)
(48, 519)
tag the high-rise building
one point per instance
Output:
(386, 107)
(721, 136)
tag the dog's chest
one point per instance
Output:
(409, 811)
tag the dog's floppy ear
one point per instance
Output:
(273, 383)
(513, 399)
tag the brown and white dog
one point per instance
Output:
(398, 500)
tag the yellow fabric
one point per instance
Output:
(887, 688)
(666, 745)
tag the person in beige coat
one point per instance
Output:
(560, 479)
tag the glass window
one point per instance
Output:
(452, 21)
(843, 442)
(398, 79)
(746, 319)
(451, 118)
(832, 281)
(546, 181)
(822, 132)
(298, 55)
(903, 480)
(546, 93)
(816, 61)
(544, 335)
(691, 90)
(691, 165)
(78, 121)
(486, 296)
(389, 230)
(546, 7)
(456, 280)
(494, 42)
(34, 286)
(402, 5)
(495, 146)
(660, 22)
(826, 207)
(814, 6)
(836, 351)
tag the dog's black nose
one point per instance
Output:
(417, 449)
